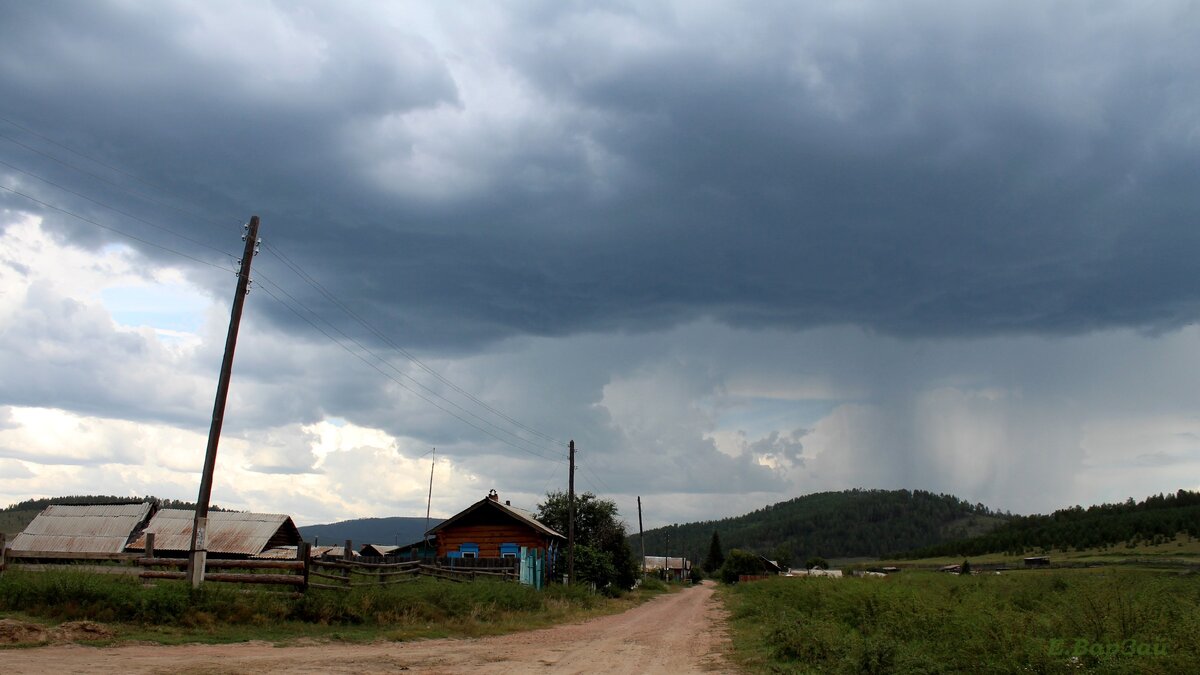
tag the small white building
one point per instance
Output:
(676, 568)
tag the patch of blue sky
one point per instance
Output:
(166, 307)
(759, 416)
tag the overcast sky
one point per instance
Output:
(738, 252)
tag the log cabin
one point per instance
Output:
(490, 528)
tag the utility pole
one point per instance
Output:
(198, 551)
(429, 502)
(571, 518)
(667, 557)
(641, 535)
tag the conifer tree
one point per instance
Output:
(715, 558)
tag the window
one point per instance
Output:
(469, 550)
(509, 550)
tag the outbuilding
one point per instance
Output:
(231, 534)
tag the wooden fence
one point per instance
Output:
(346, 574)
(301, 573)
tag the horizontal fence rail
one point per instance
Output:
(301, 573)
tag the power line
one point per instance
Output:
(113, 183)
(393, 379)
(287, 261)
(112, 229)
(412, 358)
(384, 361)
(116, 210)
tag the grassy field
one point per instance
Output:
(1183, 549)
(172, 612)
(1109, 620)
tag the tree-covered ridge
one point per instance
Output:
(1153, 519)
(850, 523)
(16, 517)
(43, 502)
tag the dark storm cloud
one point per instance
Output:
(915, 170)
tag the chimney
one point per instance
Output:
(493, 496)
(507, 503)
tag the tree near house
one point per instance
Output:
(602, 553)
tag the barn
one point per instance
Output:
(64, 529)
(230, 534)
(490, 528)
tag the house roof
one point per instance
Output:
(521, 515)
(64, 528)
(229, 532)
(378, 549)
(289, 552)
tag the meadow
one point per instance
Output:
(170, 612)
(1105, 620)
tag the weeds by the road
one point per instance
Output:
(172, 611)
(1112, 621)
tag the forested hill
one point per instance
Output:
(1154, 519)
(395, 530)
(844, 524)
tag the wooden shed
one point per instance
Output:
(231, 534)
(490, 528)
(66, 529)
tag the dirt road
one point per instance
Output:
(678, 633)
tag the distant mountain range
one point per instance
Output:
(847, 524)
(394, 531)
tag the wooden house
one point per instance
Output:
(490, 528)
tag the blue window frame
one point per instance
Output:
(469, 550)
(509, 550)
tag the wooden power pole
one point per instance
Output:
(571, 517)
(641, 535)
(428, 504)
(198, 551)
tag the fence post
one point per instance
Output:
(348, 557)
(149, 544)
(3, 543)
(302, 551)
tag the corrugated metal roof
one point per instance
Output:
(228, 532)
(67, 528)
(289, 552)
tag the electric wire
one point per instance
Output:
(296, 269)
(387, 363)
(126, 190)
(112, 229)
(117, 210)
(412, 358)
(390, 377)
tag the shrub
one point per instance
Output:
(739, 563)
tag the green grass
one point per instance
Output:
(1053, 621)
(172, 612)
(1181, 549)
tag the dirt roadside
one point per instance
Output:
(678, 633)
